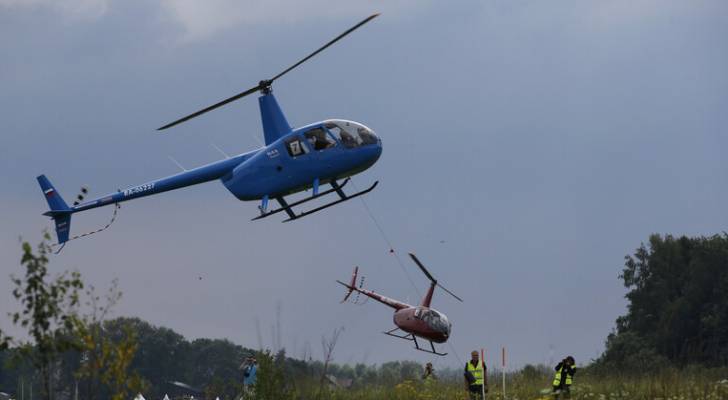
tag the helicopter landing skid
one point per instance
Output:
(432, 346)
(408, 336)
(335, 187)
(413, 338)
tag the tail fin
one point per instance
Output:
(59, 210)
(351, 284)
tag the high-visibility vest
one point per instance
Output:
(557, 377)
(477, 372)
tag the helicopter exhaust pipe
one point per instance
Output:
(351, 286)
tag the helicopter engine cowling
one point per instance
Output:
(254, 178)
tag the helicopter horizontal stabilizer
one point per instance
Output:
(59, 210)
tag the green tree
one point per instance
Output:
(49, 311)
(106, 361)
(64, 340)
(678, 310)
(270, 379)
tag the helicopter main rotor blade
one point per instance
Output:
(212, 107)
(336, 39)
(427, 273)
(450, 293)
(422, 267)
(266, 83)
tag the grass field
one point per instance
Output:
(667, 385)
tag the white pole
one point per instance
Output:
(503, 356)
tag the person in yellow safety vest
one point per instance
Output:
(564, 377)
(476, 382)
(429, 376)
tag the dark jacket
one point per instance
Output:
(571, 370)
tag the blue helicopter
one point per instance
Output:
(293, 160)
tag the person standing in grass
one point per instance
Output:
(429, 376)
(250, 375)
(475, 382)
(564, 377)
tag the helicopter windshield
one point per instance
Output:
(318, 139)
(351, 134)
(435, 320)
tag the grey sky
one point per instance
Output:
(541, 141)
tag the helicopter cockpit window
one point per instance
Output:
(436, 321)
(318, 139)
(351, 134)
(296, 147)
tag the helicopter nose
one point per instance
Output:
(373, 152)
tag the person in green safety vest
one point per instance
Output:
(429, 376)
(564, 377)
(475, 377)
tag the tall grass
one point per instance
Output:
(670, 384)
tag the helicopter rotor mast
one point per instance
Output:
(428, 296)
(265, 85)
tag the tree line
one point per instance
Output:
(677, 312)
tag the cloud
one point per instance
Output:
(204, 19)
(200, 20)
(71, 9)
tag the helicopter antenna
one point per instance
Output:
(177, 163)
(264, 86)
(430, 277)
(214, 146)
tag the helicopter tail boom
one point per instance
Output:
(59, 210)
(397, 305)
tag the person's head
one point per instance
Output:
(428, 365)
(570, 360)
(474, 355)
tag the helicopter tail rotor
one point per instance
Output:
(264, 86)
(351, 286)
(431, 278)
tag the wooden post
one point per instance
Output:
(503, 357)
(485, 371)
